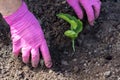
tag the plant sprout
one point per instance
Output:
(76, 26)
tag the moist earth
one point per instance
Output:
(97, 55)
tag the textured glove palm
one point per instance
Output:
(92, 8)
(27, 36)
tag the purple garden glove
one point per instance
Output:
(92, 8)
(27, 37)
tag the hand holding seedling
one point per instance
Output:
(75, 27)
(91, 7)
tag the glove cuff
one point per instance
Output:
(18, 14)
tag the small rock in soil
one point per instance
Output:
(76, 69)
(64, 62)
(26, 68)
(50, 71)
(74, 60)
(107, 74)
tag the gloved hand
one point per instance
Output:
(27, 37)
(91, 7)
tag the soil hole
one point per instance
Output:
(108, 57)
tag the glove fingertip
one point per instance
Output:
(25, 58)
(35, 57)
(46, 54)
(97, 7)
(34, 63)
(77, 8)
(49, 64)
(16, 52)
(91, 23)
(80, 16)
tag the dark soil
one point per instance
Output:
(97, 55)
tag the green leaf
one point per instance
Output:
(63, 16)
(73, 25)
(73, 21)
(79, 27)
(69, 16)
(71, 34)
(69, 19)
(76, 26)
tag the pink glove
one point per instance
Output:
(92, 8)
(27, 37)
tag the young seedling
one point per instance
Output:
(76, 27)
